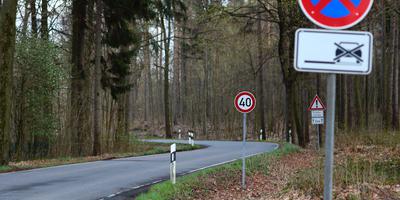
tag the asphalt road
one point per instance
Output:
(103, 179)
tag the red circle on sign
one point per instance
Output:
(314, 13)
(253, 99)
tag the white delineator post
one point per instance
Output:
(173, 163)
(192, 139)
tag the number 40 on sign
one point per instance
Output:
(245, 102)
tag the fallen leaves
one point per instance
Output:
(259, 185)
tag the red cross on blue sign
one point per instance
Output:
(336, 14)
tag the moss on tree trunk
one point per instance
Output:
(7, 46)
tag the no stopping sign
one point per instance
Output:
(336, 14)
(245, 102)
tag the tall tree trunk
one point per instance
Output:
(177, 71)
(395, 65)
(121, 129)
(97, 82)
(25, 18)
(205, 91)
(319, 93)
(366, 99)
(21, 143)
(288, 75)
(260, 93)
(44, 29)
(8, 12)
(148, 80)
(78, 113)
(34, 25)
(160, 79)
(166, 31)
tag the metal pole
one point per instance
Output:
(244, 153)
(318, 137)
(329, 137)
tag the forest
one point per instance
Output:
(85, 77)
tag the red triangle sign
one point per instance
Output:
(317, 104)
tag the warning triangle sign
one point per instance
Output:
(317, 104)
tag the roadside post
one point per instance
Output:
(317, 109)
(179, 134)
(333, 52)
(190, 137)
(172, 166)
(261, 132)
(245, 102)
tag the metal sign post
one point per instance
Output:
(172, 166)
(245, 102)
(318, 134)
(244, 152)
(333, 52)
(329, 136)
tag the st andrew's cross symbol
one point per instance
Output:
(336, 14)
(349, 53)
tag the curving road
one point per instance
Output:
(102, 179)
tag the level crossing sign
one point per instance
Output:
(336, 14)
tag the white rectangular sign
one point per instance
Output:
(317, 121)
(330, 51)
(317, 113)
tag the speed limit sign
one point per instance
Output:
(245, 102)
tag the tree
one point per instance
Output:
(8, 10)
(289, 19)
(97, 119)
(167, 10)
(79, 109)
(260, 77)
(34, 24)
(44, 29)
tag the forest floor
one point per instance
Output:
(367, 166)
(140, 149)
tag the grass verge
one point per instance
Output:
(141, 149)
(190, 186)
(367, 166)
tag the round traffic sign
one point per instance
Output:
(336, 14)
(245, 102)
